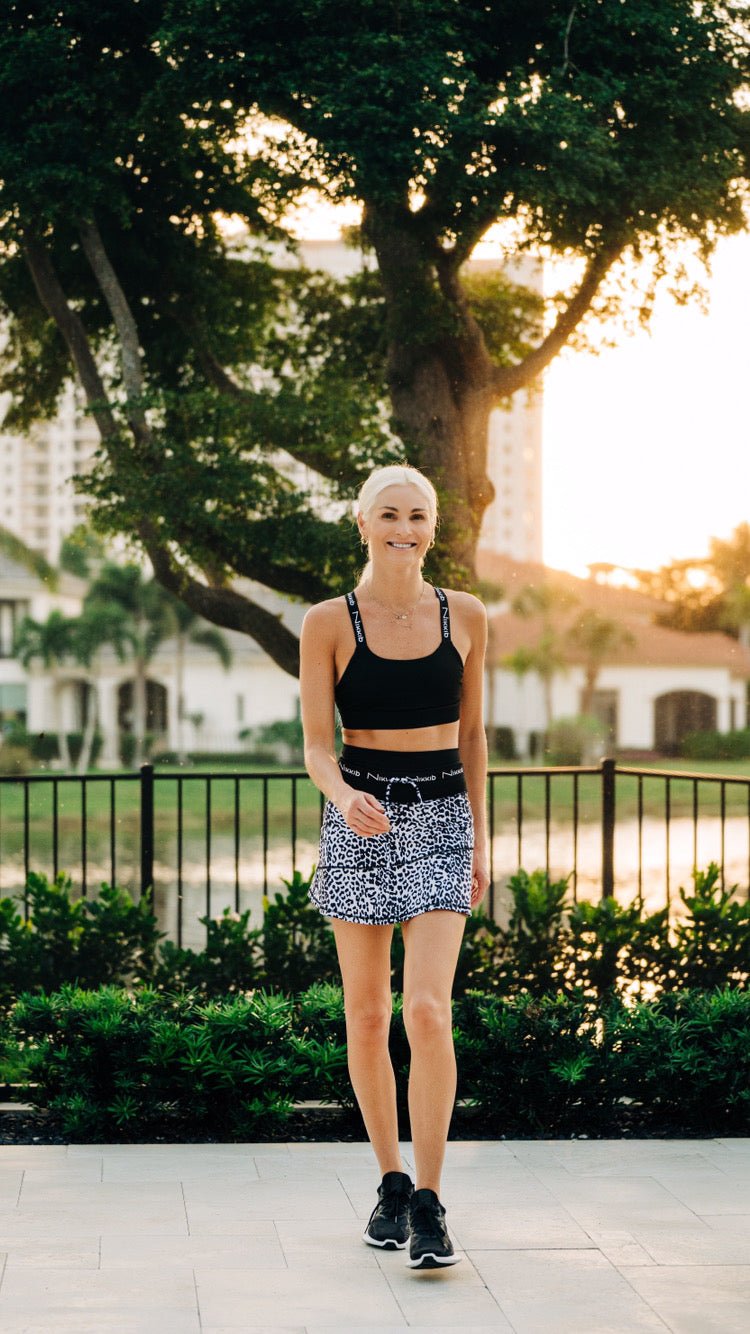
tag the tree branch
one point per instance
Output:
(222, 606)
(507, 379)
(124, 322)
(71, 327)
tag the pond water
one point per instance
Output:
(198, 899)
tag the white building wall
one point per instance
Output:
(520, 704)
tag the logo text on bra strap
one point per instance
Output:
(356, 620)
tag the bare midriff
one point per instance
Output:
(443, 736)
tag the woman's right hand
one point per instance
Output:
(364, 814)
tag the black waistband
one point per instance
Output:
(403, 775)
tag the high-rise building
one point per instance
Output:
(37, 499)
(512, 524)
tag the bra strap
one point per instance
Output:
(356, 620)
(445, 616)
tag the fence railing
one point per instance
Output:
(195, 842)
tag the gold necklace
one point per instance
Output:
(399, 616)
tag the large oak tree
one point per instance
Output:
(603, 130)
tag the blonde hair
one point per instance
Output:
(395, 474)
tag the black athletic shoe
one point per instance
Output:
(388, 1226)
(431, 1247)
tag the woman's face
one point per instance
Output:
(399, 527)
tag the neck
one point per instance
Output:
(399, 588)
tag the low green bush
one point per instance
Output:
(711, 745)
(113, 1065)
(66, 938)
(577, 740)
(550, 944)
(605, 948)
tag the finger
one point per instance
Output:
(372, 802)
(370, 823)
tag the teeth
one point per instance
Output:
(402, 546)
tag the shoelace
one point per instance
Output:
(397, 1200)
(427, 1217)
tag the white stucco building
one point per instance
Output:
(649, 692)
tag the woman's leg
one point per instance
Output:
(431, 947)
(365, 961)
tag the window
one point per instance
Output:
(10, 615)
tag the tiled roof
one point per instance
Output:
(514, 575)
(652, 646)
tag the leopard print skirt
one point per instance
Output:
(425, 860)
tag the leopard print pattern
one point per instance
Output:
(424, 862)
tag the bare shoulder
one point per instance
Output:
(324, 618)
(467, 605)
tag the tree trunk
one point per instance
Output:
(440, 375)
(92, 716)
(139, 710)
(587, 697)
(62, 735)
(180, 683)
(547, 690)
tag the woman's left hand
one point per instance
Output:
(480, 877)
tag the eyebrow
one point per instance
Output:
(415, 509)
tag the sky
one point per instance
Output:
(646, 446)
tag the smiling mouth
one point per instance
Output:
(402, 546)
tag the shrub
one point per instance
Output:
(711, 745)
(65, 939)
(230, 962)
(578, 740)
(684, 1061)
(45, 746)
(109, 1065)
(14, 759)
(298, 944)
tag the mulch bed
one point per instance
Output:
(333, 1125)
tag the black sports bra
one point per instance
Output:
(400, 692)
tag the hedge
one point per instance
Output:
(113, 1065)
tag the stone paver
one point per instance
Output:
(556, 1237)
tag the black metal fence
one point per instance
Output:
(189, 840)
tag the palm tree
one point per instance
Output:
(596, 637)
(96, 627)
(146, 624)
(546, 659)
(189, 628)
(51, 641)
(547, 656)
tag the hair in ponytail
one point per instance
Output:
(396, 474)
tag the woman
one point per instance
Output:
(404, 834)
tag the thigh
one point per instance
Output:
(364, 953)
(432, 942)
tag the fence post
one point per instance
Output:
(608, 828)
(147, 832)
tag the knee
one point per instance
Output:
(426, 1016)
(369, 1021)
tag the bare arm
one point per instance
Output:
(361, 810)
(472, 740)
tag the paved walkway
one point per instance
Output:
(557, 1237)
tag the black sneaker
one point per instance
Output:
(388, 1226)
(431, 1247)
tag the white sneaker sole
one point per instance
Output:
(389, 1244)
(432, 1261)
